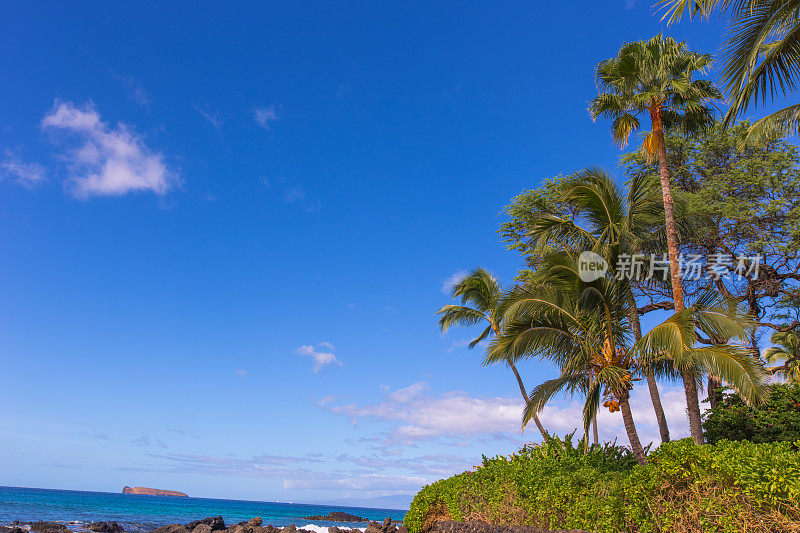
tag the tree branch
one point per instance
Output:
(655, 306)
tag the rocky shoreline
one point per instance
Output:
(211, 524)
(216, 524)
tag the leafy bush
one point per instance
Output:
(777, 420)
(732, 486)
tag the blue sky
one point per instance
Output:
(226, 230)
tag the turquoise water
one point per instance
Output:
(142, 513)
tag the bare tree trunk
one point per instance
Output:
(652, 385)
(688, 374)
(594, 429)
(630, 429)
(536, 420)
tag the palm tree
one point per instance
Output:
(786, 351)
(612, 223)
(482, 290)
(582, 328)
(657, 77)
(762, 55)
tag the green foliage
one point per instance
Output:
(741, 198)
(787, 352)
(778, 419)
(731, 486)
(747, 191)
(761, 55)
(523, 212)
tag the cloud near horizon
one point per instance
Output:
(417, 415)
(108, 161)
(317, 470)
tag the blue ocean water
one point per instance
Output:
(139, 513)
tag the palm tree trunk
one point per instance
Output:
(594, 429)
(630, 429)
(688, 374)
(693, 404)
(652, 386)
(655, 397)
(536, 420)
(714, 394)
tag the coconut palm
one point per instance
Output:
(610, 223)
(481, 302)
(583, 328)
(787, 352)
(762, 55)
(657, 77)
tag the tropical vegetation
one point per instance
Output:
(762, 56)
(599, 253)
(728, 487)
(777, 420)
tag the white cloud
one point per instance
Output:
(135, 89)
(109, 161)
(213, 118)
(264, 116)
(421, 416)
(293, 193)
(241, 372)
(455, 277)
(26, 174)
(409, 393)
(463, 343)
(360, 482)
(320, 356)
(144, 440)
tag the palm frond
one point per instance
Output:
(737, 368)
(459, 315)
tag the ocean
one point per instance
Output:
(137, 513)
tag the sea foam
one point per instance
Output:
(324, 529)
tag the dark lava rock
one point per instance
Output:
(216, 522)
(337, 516)
(12, 529)
(266, 529)
(172, 528)
(202, 528)
(48, 527)
(106, 527)
(334, 529)
(478, 526)
(374, 527)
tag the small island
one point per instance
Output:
(152, 492)
(337, 516)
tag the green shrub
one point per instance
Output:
(729, 487)
(776, 420)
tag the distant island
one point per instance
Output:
(152, 492)
(337, 516)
